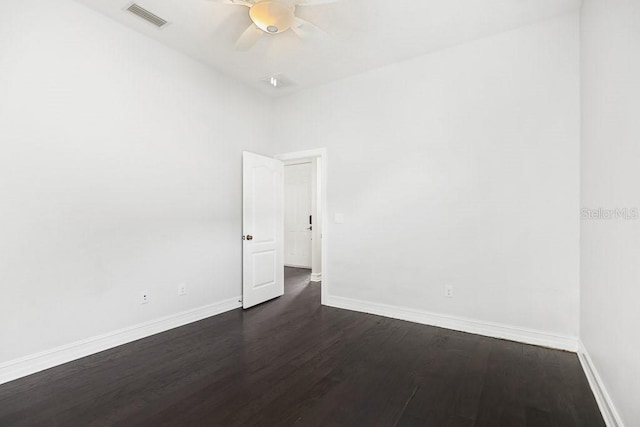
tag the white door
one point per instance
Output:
(263, 229)
(297, 215)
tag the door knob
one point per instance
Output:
(249, 237)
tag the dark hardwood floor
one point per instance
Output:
(292, 362)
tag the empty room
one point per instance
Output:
(319, 213)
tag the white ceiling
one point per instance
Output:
(364, 34)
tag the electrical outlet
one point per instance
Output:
(448, 291)
(144, 297)
(182, 289)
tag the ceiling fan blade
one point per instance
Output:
(306, 30)
(250, 36)
(314, 2)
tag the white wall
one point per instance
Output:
(120, 171)
(610, 175)
(456, 168)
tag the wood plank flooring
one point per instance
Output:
(293, 362)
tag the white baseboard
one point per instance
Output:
(316, 277)
(607, 408)
(31, 364)
(490, 329)
(298, 266)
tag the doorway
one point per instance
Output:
(302, 225)
(298, 214)
(303, 207)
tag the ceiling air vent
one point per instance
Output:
(147, 16)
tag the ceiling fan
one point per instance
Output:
(275, 17)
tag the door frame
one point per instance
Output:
(318, 153)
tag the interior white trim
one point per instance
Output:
(490, 329)
(306, 267)
(302, 155)
(607, 408)
(316, 277)
(33, 363)
(294, 162)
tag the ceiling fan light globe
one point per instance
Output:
(272, 16)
